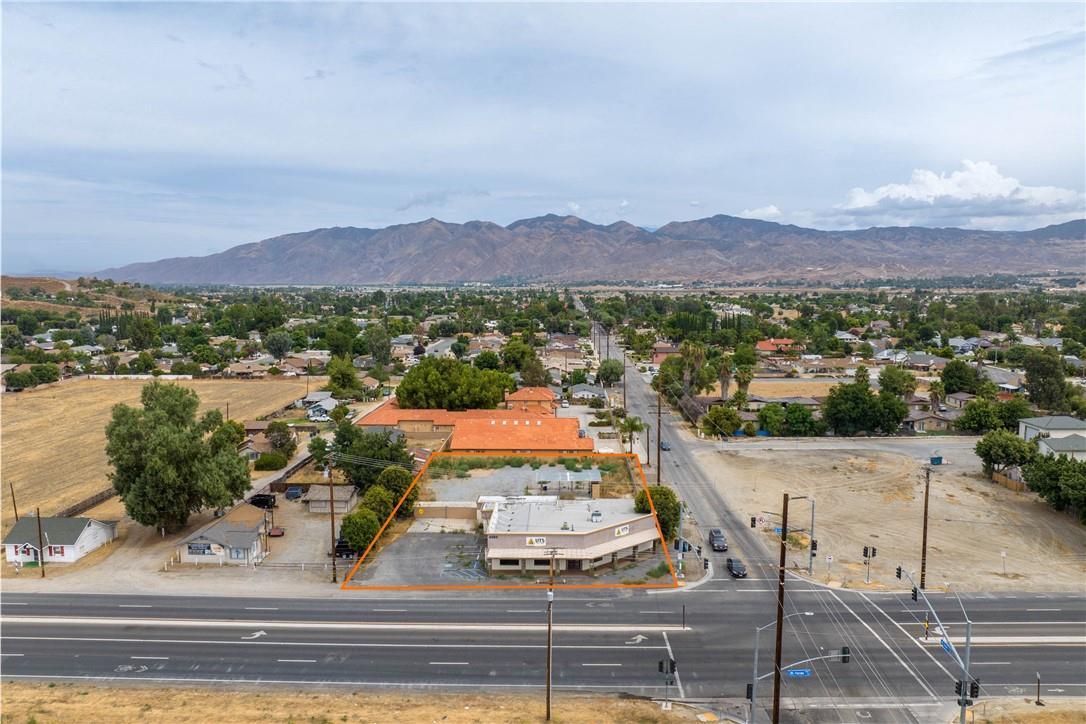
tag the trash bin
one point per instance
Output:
(936, 459)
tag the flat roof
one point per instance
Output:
(561, 475)
(546, 514)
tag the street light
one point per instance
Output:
(754, 678)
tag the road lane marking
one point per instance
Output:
(991, 663)
(310, 682)
(449, 663)
(133, 605)
(297, 661)
(1042, 609)
(1020, 640)
(666, 613)
(151, 658)
(390, 610)
(13, 603)
(261, 608)
(381, 645)
(524, 610)
(601, 664)
(352, 625)
(670, 655)
(11, 654)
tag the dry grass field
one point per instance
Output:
(84, 703)
(53, 438)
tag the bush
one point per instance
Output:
(359, 528)
(271, 461)
(396, 481)
(379, 500)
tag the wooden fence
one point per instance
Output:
(1018, 486)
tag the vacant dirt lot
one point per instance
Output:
(82, 703)
(53, 448)
(869, 498)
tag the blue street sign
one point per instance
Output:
(799, 673)
(945, 644)
(777, 530)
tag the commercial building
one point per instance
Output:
(520, 435)
(524, 533)
(237, 539)
(538, 400)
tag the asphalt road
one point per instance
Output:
(605, 641)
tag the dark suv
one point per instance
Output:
(263, 500)
(717, 540)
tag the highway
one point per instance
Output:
(605, 640)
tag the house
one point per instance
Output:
(344, 498)
(246, 370)
(846, 337)
(777, 346)
(237, 538)
(540, 400)
(1073, 446)
(959, 400)
(523, 435)
(925, 362)
(1051, 426)
(926, 421)
(313, 398)
(661, 351)
(581, 534)
(1003, 378)
(321, 410)
(585, 393)
(66, 540)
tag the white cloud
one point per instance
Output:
(763, 212)
(977, 195)
(574, 206)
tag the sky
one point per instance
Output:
(138, 131)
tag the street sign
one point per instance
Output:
(829, 559)
(761, 520)
(799, 673)
(946, 645)
(777, 530)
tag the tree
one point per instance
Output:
(936, 393)
(610, 372)
(1013, 410)
(379, 500)
(980, 416)
(365, 448)
(342, 377)
(890, 412)
(1001, 449)
(44, 374)
(533, 373)
(1045, 382)
(398, 481)
(629, 425)
(449, 384)
(850, 408)
(142, 333)
(339, 413)
(270, 461)
(666, 504)
(279, 343)
(515, 353)
(743, 377)
(166, 463)
(578, 377)
(359, 529)
(771, 418)
(319, 449)
(958, 376)
(281, 438)
(799, 422)
(488, 360)
(27, 323)
(720, 421)
(1060, 480)
(378, 343)
(897, 381)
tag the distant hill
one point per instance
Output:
(567, 248)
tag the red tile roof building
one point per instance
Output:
(520, 435)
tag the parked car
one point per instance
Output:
(736, 568)
(343, 549)
(582, 432)
(717, 540)
(294, 492)
(665, 446)
(276, 532)
(565, 403)
(263, 500)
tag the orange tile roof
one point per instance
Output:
(531, 394)
(524, 433)
(390, 414)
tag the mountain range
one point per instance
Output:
(555, 248)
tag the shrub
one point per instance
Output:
(271, 461)
(359, 528)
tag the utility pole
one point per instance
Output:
(625, 403)
(331, 518)
(41, 543)
(924, 537)
(780, 614)
(659, 428)
(550, 630)
(11, 487)
(682, 537)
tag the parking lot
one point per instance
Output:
(307, 535)
(421, 559)
(584, 414)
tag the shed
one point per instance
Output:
(345, 497)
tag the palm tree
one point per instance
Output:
(743, 377)
(693, 354)
(936, 393)
(724, 373)
(629, 425)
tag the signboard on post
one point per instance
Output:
(946, 646)
(799, 673)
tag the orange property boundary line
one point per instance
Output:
(346, 585)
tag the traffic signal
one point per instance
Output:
(671, 662)
(705, 563)
(750, 692)
(914, 593)
(958, 687)
(844, 654)
(814, 545)
(699, 551)
(660, 666)
(974, 689)
(865, 552)
(753, 522)
(874, 551)
(899, 572)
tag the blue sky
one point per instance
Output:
(137, 131)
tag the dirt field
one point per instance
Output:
(784, 387)
(84, 703)
(876, 499)
(1023, 711)
(53, 447)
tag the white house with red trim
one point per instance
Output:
(65, 540)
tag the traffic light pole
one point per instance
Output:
(780, 613)
(924, 537)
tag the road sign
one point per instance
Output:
(946, 645)
(829, 559)
(799, 673)
(777, 530)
